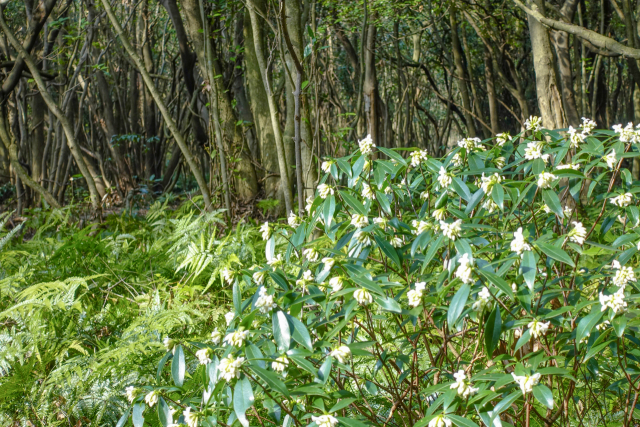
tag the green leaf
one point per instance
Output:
(457, 304)
(497, 282)
(271, 379)
(505, 403)
(350, 422)
(328, 211)
(353, 202)
(528, 268)
(392, 154)
(524, 338)
(137, 417)
(300, 334)
(388, 250)
(461, 188)
(177, 366)
(388, 304)
(461, 422)
(551, 199)
(242, 400)
(492, 330)
(162, 363)
(543, 395)
(587, 323)
(325, 369)
(342, 404)
(497, 194)
(281, 331)
(432, 251)
(124, 418)
(237, 298)
(164, 412)
(556, 253)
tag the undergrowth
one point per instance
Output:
(83, 310)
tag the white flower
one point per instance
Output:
(499, 162)
(456, 160)
(483, 301)
(363, 238)
(190, 418)
(545, 179)
(341, 353)
(265, 302)
(367, 192)
(578, 234)
(311, 254)
(503, 138)
(470, 144)
(518, 244)
(306, 278)
(325, 421)
(328, 263)
(169, 344)
(363, 296)
(534, 151)
(575, 138)
(336, 284)
(526, 382)
(266, 231)
(444, 179)
(229, 317)
(489, 205)
(418, 157)
(451, 230)
(440, 421)
(415, 295)
(610, 159)
(280, 364)
(381, 222)
(236, 338)
(203, 356)
(439, 214)
(533, 123)
(464, 269)
(624, 275)
(573, 166)
(309, 204)
(538, 328)
(216, 336)
(622, 200)
(326, 166)
(420, 226)
(229, 367)
(463, 387)
(615, 301)
(396, 242)
(359, 221)
(324, 190)
(151, 398)
(489, 181)
(276, 262)
(626, 134)
(131, 393)
(366, 145)
(293, 220)
(228, 275)
(259, 276)
(588, 125)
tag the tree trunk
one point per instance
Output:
(549, 98)
(460, 74)
(285, 183)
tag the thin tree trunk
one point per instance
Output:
(460, 74)
(195, 169)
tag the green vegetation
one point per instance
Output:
(494, 286)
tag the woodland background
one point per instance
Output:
(112, 105)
